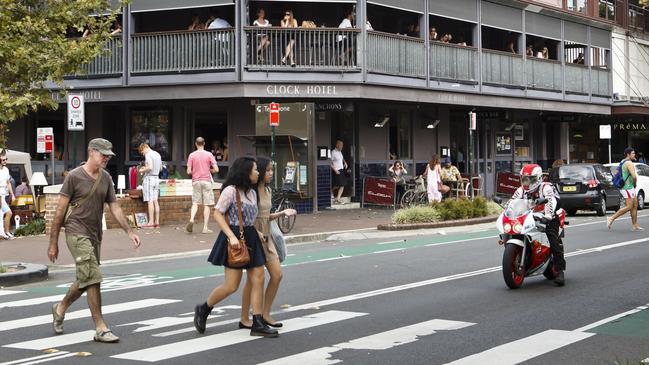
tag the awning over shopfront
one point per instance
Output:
(630, 110)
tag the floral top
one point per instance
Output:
(228, 204)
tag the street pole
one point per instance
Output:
(272, 153)
(513, 146)
(52, 157)
(609, 150)
(74, 150)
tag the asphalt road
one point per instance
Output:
(427, 300)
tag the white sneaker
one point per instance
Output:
(3, 235)
(11, 236)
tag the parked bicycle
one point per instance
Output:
(281, 202)
(415, 193)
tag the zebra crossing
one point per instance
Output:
(147, 330)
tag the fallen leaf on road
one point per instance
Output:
(84, 354)
(50, 351)
(284, 306)
(316, 308)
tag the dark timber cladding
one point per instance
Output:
(412, 5)
(155, 5)
(457, 9)
(542, 26)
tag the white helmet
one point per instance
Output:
(531, 177)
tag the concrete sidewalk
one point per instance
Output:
(173, 239)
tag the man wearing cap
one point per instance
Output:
(80, 208)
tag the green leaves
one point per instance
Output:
(41, 42)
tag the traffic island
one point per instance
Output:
(14, 273)
(442, 224)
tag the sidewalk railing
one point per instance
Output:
(502, 68)
(543, 74)
(452, 62)
(577, 79)
(184, 51)
(395, 54)
(313, 48)
(109, 63)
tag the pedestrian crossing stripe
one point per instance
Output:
(210, 342)
(379, 341)
(10, 292)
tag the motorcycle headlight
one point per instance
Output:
(518, 228)
(507, 227)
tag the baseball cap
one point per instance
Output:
(102, 145)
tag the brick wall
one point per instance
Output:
(173, 209)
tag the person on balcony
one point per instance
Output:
(262, 38)
(511, 48)
(214, 22)
(368, 25)
(343, 42)
(543, 53)
(580, 59)
(433, 34)
(289, 22)
(529, 52)
(196, 23)
(116, 29)
(446, 38)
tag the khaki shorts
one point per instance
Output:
(202, 193)
(86, 259)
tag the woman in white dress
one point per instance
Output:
(434, 181)
(262, 38)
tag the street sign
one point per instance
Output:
(473, 121)
(605, 131)
(274, 115)
(44, 140)
(76, 115)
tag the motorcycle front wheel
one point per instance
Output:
(511, 261)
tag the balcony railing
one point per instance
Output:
(395, 54)
(312, 48)
(109, 63)
(185, 51)
(501, 68)
(543, 74)
(577, 79)
(452, 62)
(638, 17)
(599, 81)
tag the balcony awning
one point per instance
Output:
(502, 17)
(542, 26)
(600, 38)
(416, 6)
(575, 32)
(458, 9)
(138, 6)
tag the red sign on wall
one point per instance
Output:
(274, 115)
(507, 183)
(379, 191)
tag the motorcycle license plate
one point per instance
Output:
(570, 188)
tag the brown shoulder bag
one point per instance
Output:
(239, 257)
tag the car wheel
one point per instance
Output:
(601, 211)
(571, 212)
(640, 200)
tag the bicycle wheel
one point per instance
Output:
(286, 223)
(421, 198)
(407, 198)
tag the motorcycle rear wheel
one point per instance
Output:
(511, 260)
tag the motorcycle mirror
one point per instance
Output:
(497, 199)
(540, 201)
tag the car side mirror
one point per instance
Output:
(540, 201)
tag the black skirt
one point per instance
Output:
(219, 254)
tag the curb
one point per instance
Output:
(320, 236)
(453, 223)
(30, 273)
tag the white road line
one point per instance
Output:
(9, 292)
(524, 349)
(54, 341)
(611, 319)
(183, 348)
(380, 341)
(51, 359)
(58, 353)
(333, 258)
(390, 242)
(161, 322)
(391, 250)
(84, 313)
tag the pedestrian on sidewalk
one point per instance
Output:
(628, 191)
(5, 190)
(238, 199)
(80, 209)
(338, 166)
(201, 165)
(151, 183)
(262, 223)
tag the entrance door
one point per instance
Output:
(343, 128)
(213, 127)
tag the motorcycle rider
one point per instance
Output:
(533, 187)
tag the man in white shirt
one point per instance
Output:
(214, 22)
(338, 165)
(150, 183)
(5, 190)
(344, 43)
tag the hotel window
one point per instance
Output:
(577, 5)
(607, 9)
(151, 126)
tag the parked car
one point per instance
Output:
(643, 180)
(587, 186)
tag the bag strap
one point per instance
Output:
(85, 198)
(240, 213)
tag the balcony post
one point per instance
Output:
(427, 41)
(589, 60)
(127, 49)
(361, 17)
(525, 75)
(479, 44)
(240, 17)
(562, 51)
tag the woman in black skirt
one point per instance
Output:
(242, 176)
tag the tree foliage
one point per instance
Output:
(40, 42)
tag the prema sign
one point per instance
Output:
(274, 115)
(44, 140)
(76, 115)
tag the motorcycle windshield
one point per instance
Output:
(517, 208)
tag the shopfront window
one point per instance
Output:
(152, 126)
(400, 135)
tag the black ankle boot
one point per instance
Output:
(201, 312)
(259, 327)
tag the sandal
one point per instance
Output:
(106, 336)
